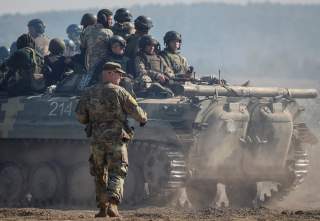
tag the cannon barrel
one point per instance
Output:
(241, 91)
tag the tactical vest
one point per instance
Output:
(153, 62)
(106, 114)
(28, 78)
(175, 61)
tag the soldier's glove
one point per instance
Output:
(142, 124)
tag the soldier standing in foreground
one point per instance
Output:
(94, 40)
(105, 107)
(36, 29)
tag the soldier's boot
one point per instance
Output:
(101, 213)
(113, 209)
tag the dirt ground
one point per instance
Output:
(166, 214)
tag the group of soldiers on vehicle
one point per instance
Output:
(120, 61)
(90, 45)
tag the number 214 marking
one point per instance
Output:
(60, 109)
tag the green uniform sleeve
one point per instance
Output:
(185, 65)
(132, 108)
(166, 69)
(141, 69)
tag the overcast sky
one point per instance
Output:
(29, 6)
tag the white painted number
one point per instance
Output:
(60, 109)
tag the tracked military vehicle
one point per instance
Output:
(207, 134)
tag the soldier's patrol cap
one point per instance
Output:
(113, 66)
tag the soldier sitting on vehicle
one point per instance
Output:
(87, 20)
(142, 26)
(94, 40)
(172, 56)
(116, 54)
(55, 64)
(73, 43)
(23, 69)
(36, 29)
(153, 74)
(123, 25)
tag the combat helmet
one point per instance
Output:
(73, 29)
(25, 40)
(102, 17)
(170, 36)
(147, 40)
(57, 46)
(38, 25)
(88, 19)
(123, 15)
(143, 23)
(117, 39)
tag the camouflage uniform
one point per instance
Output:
(176, 62)
(24, 68)
(105, 107)
(126, 81)
(72, 48)
(122, 60)
(42, 44)
(37, 31)
(132, 46)
(124, 29)
(151, 66)
(94, 40)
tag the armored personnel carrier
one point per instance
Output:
(207, 134)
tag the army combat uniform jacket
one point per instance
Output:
(24, 72)
(152, 66)
(94, 40)
(176, 62)
(105, 107)
(42, 45)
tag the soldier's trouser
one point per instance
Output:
(110, 167)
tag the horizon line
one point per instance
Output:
(248, 3)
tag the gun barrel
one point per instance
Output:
(241, 91)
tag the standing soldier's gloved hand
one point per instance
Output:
(142, 124)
